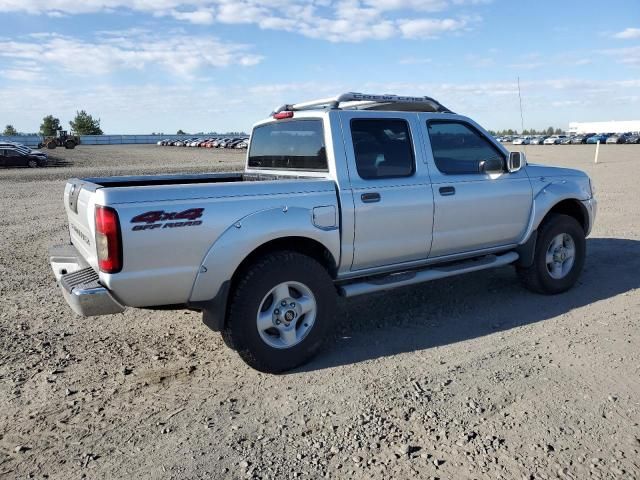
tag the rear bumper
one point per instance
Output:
(80, 284)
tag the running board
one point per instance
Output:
(402, 279)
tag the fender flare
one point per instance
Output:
(544, 201)
(211, 287)
(548, 197)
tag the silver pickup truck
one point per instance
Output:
(342, 196)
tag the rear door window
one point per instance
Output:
(382, 148)
(290, 145)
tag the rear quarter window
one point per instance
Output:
(289, 145)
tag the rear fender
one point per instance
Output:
(249, 233)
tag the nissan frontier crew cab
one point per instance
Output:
(341, 196)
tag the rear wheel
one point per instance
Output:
(51, 144)
(70, 144)
(280, 312)
(32, 163)
(558, 258)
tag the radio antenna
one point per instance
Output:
(521, 115)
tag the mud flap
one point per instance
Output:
(526, 251)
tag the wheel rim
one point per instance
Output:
(286, 315)
(33, 163)
(560, 256)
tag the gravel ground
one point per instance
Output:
(469, 377)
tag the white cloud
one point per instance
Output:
(628, 33)
(430, 28)
(135, 49)
(23, 71)
(199, 17)
(332, 20)
(627, 56)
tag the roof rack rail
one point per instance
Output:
(365, 101)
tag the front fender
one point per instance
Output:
(249, 233)
(550, 192)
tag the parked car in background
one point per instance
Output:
(24, 149)
(244, 144)
(14, 156)
(566, 141)
(617, 139)
(234, 142)
(601, 137)
(537, 140)
(633, 138)
(521, 141)
(554, 139)
(581, 138)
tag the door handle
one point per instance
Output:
(370, 197)
(445, 191)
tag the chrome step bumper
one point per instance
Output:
(80, 283)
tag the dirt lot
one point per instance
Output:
(470, 377)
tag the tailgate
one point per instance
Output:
(79, 201)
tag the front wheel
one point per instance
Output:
(280, 312)
(559, 256)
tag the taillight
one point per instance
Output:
(108, 240)
(281, 115)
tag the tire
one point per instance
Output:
(298, 336)
(558, 236)
(52, 144)
(70, 144)
(32, 163)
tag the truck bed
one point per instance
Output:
(162, 252)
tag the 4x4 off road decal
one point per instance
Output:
(161, 219)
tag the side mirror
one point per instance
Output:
(516, 161)
(492, 165)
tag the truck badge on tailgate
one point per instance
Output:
(161, 219)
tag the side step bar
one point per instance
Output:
(402, 279)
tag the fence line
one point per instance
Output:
(28, 140)
(34, 140)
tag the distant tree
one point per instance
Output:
(85, 124)
(558, 131)
(180, 132)
(49, 126)
(548, 131)
(9, 131)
